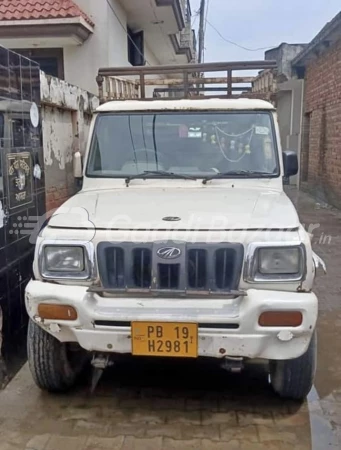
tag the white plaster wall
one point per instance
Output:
(66, 115)
(58, 139)
(106, 47)
(150, 56)
(153, 61)
(116, 36)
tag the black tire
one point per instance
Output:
(49, 361)
(294, 378)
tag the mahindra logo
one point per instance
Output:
(169, 252)
(171, 219)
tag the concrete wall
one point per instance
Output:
(66, 115)
(290, 107)
(321, 157)
(284, 102)
(284, 54)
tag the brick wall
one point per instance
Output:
(321, 146)
(56, 196)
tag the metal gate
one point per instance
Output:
(22, 191)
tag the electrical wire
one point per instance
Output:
(126, 32)
(235, 43)
(195, 18)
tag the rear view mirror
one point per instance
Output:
(290, 162)
(77, 165)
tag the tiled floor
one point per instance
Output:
(182, 406)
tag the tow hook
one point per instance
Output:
(99, 363)
(231, 364)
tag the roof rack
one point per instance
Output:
(179, 81)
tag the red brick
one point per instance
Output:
(321, 139)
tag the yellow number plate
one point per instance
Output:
(165, 339)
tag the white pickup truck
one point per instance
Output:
(181, 243)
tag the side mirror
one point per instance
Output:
(290, 162)
(77, 165)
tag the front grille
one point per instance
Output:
(115, 267)
(197, 269)
(168, 276)
(225, 260)
(206, 267)
(142, 267)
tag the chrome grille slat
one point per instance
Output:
(141, 267)
(224, 268)
(196, 268)
(115, 262)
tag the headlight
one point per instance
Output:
(66, 261)
(279, 261)
(274, 263)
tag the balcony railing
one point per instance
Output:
(265, 82)
(186, 10)
(120, 89)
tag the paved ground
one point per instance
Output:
(182, 406)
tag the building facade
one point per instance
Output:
(287, 93)
(72, 39)
(319, 65)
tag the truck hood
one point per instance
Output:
(178, 208)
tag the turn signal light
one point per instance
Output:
(57, 312)
(280, 319)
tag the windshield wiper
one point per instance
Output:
(156, 174)
(237, 173)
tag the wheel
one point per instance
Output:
(294, 378)
(53, 365)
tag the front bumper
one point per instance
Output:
(226, 327)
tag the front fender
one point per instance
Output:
(318, 262)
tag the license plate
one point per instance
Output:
(165, 339)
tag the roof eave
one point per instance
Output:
(76, 26)
(329, 33)
(175, 4)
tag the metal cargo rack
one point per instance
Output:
(181, 81)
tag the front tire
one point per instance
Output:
(294, 378)
(49, 361)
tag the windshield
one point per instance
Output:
(195, 144)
